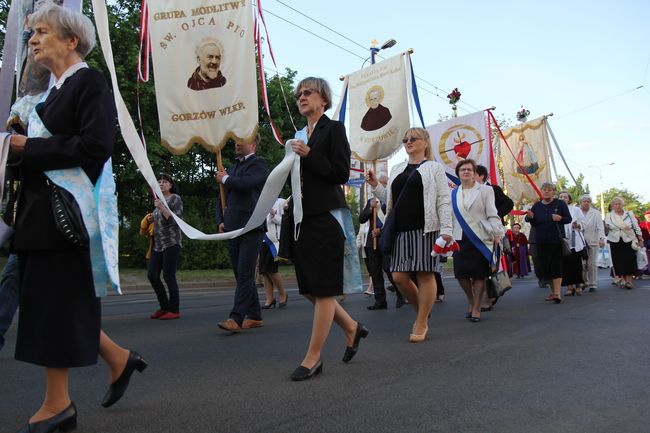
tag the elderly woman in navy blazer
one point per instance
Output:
(60, 316)
(478, 230)
(319, 250)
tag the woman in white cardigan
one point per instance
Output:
(478, 229)
(572, 264)
(624, 236)
(418, 195)
(594, 233)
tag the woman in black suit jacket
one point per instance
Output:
(60, 317)
(319, 251)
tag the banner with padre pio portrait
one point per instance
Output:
(378, 109)
(460, 138)
(204, 63)
(528, 154)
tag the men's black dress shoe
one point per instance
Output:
(63, 421)
(361, 332)
(304, 373)
(400, 302)
(378, 306)
(117, 388)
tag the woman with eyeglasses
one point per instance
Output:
(418, 195)
(318, 253)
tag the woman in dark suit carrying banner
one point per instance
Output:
(71, 138)
(319, 251)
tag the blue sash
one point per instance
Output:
(351, 269)
(269, 243)
(467, 230)
(98, 205)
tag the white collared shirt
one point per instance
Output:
(69, 73)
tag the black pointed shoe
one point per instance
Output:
(304, 373)
(117, 388)
(63, 422)
(361, 332)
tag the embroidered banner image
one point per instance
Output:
(378, 109)
(204, 63)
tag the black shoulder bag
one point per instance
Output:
(67, 216)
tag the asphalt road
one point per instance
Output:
(528, 366)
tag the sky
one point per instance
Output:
(578, 59)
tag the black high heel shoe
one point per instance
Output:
(361, 332)
(284, 304)
(304, 373)
(271, 305)
(63, 421)
(117, 388)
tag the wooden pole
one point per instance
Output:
(374, 209)
(222, 191)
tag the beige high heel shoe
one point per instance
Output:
(418, 338)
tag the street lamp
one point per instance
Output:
(374, 50)
(602, 187)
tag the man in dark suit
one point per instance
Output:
(243, 185)
(374, 258)
(503, 203)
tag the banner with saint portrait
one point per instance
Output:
(378, 109)
(460, 138)
(527, 152)
(204, 63)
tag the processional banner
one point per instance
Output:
(526, 152)
(460, 138)
(204, 63)
(378, 109)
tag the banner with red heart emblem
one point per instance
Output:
(461, 138)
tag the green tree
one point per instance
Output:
(580, 188)
(632, 201)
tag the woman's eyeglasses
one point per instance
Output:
(306, 93)
(410, 140)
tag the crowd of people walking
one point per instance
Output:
(414, 218)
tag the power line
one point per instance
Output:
(599, 102)
(436, 88)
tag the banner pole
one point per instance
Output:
(222, 190)
(374, 209)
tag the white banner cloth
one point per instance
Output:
(271, 189)
(204, 63)
(529, 144)
(378, 109)
(461, 138)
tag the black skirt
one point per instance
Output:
(469, 262)
(268, 265)
(572, 269)
(318, 256)
(623, 258)
(60, 316)
(549, 259)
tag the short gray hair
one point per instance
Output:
(618, 198)
(585, 197)
(208, 40)
(67, 24)
(550, 185)
(321, 86)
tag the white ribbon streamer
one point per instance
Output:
(270, 191)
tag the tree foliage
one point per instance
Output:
(576, 190)
(193, 172)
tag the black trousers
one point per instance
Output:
(243, 252)
(374, 262)
(385, 266)
(167, 262)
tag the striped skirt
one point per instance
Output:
(412, 252)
